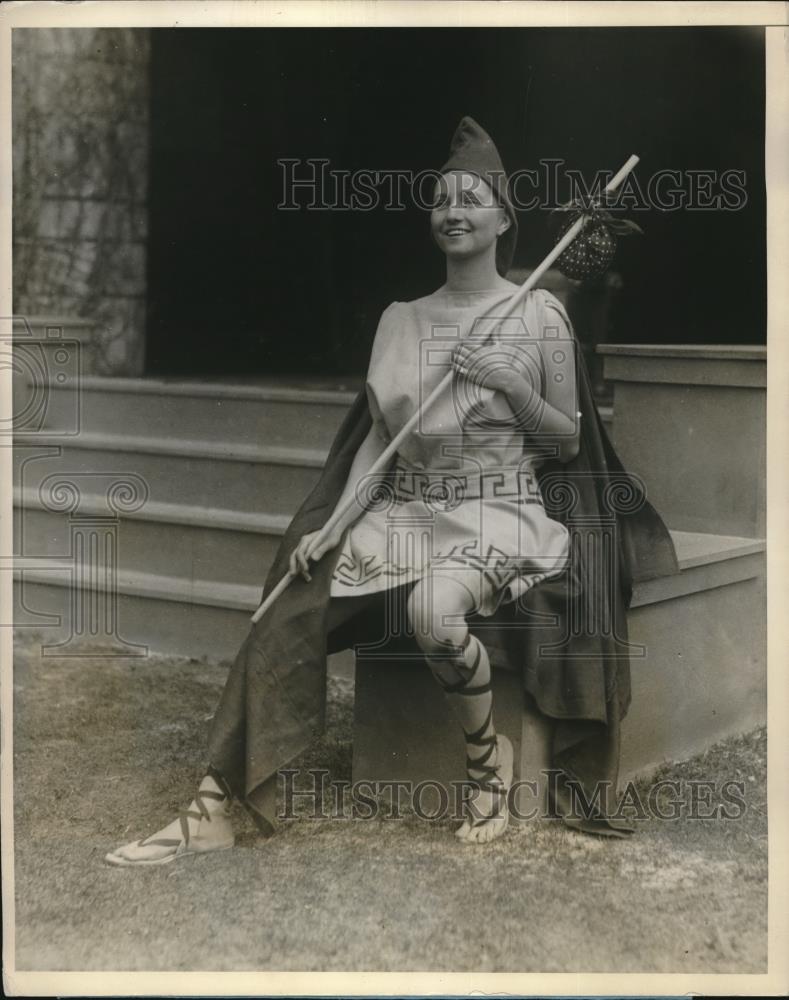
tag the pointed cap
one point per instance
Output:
(473, 150)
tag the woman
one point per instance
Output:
(463, 532)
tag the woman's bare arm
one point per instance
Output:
(550, 419)
(553, 423)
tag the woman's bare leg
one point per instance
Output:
(459, 662)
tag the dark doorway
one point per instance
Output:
(238, 286)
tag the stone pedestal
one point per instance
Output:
(404, 729)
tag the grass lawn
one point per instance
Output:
(107, 750)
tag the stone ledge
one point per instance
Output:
(208, 390)
(708, 562)
(169, 513)
(686, 364)
(177, 448)
(734, 352)
(58, 572)
(705, 561)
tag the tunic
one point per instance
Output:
(462, 497)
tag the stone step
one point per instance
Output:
(229, 476)
(151, 614)
(708, 563)
(192, 543)
(271, 414)
(147, 407)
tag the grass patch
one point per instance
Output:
(107, 750)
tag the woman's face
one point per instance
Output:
(466, 218)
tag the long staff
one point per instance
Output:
(383, 460)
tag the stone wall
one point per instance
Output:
(80, 134)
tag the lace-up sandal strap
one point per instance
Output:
(483, 774)
(453, 650)
(220, 780)
(161, 842)
(489, 771)
(464, 670)
(496, 782)
(486, 770)
(216, 796)
(498, 809)
(168, 841)
(201, 812)
(462, 688)
(498, 805)
(477, 739)
(481, 763)
(469, 670)
(495, 788)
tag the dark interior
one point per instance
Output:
(240, 287)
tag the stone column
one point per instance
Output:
(80, 134)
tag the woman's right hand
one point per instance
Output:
(299, 562)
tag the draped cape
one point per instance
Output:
(567, 637)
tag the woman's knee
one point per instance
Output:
(436, 613)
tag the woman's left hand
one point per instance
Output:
(469, 361)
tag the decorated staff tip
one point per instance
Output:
(591, 252)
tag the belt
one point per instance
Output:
(446, 490)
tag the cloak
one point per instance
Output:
(567, 636)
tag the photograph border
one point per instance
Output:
(449, 13)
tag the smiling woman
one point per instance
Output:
(455, 527)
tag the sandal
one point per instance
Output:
(493, 778)
(218, 838)
(496, 779)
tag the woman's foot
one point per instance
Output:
(488, 814)
(463, 671)
(204, 826)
